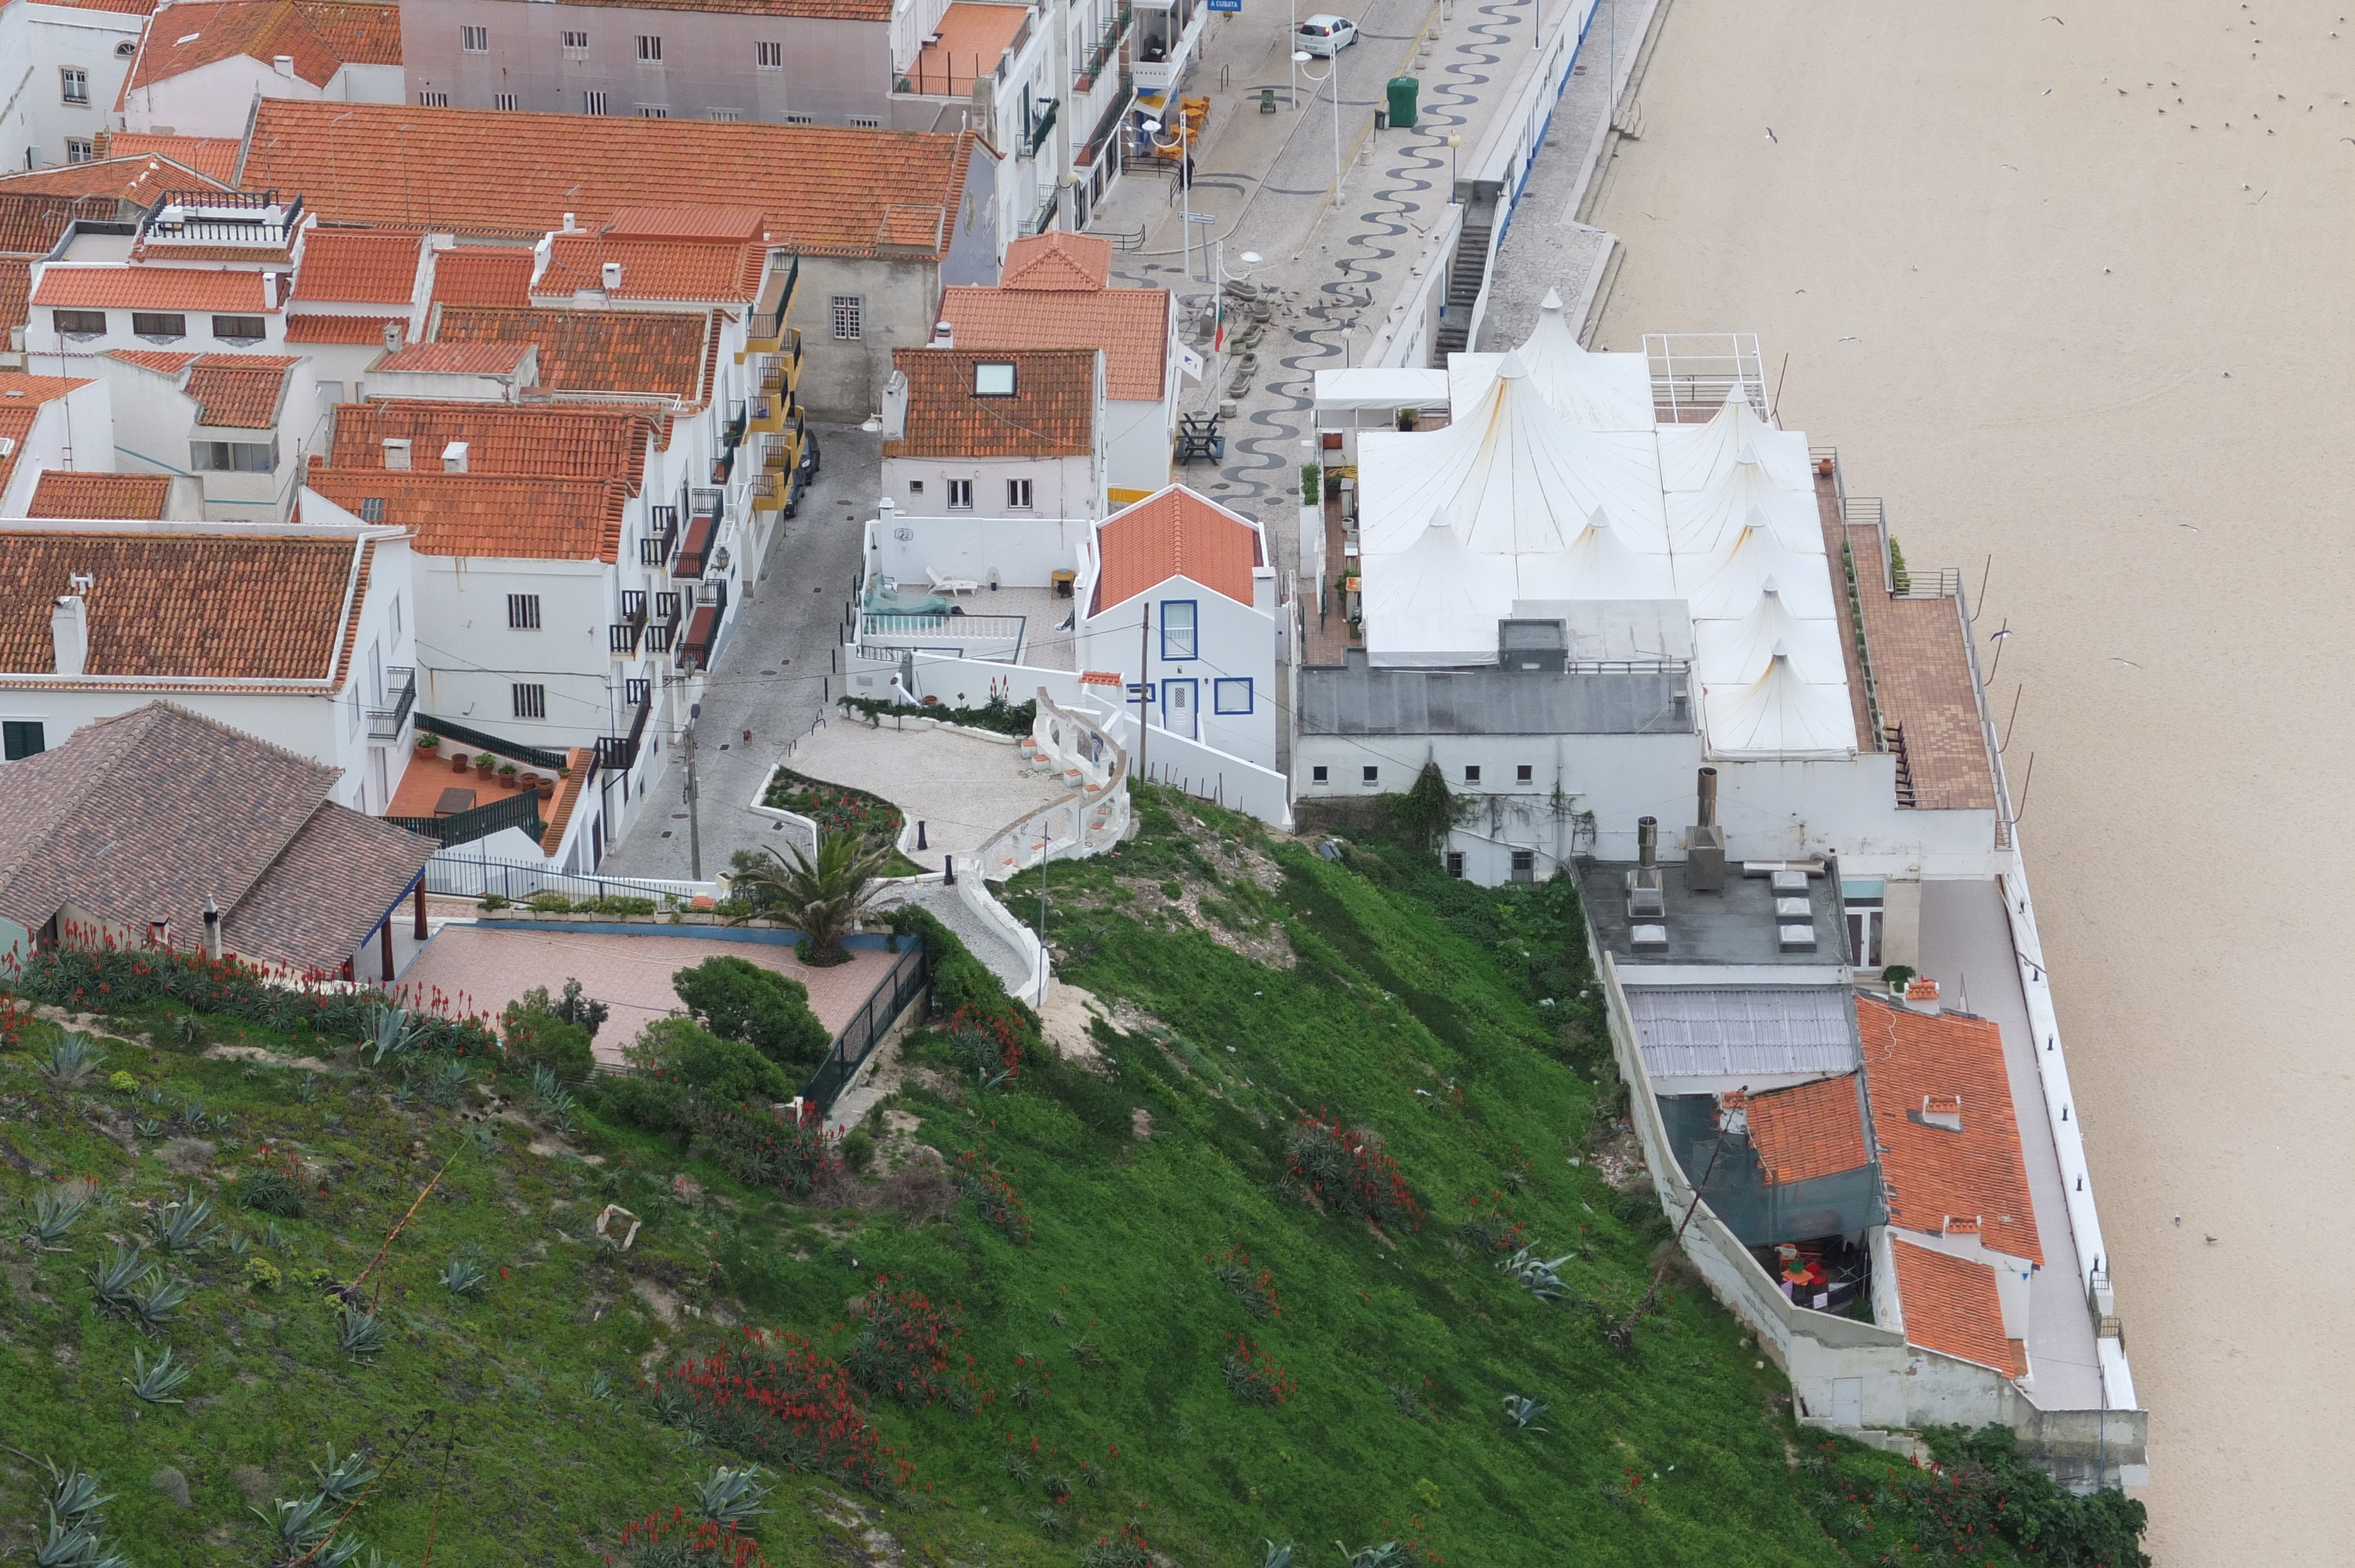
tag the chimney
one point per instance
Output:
(569, 228)
(895, 407)
(395, 453)
(392, 337)
(453, 457)
(944, 335)
(1943, 1110)
(70, 629)
(1922, 995)
(1647, 898)
(212, 929)
(610, 275)
(283, 65)
(1705, 859)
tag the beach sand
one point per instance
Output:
(2111, 353)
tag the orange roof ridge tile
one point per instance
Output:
(483, 275)
(61, 492)
(652, 352)
(360, 267)
(1058, 260)
(567, 442)
(213, 156)
(94, 288)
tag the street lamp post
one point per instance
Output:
(1453, 142)
(1333, 75)
(1152, 128)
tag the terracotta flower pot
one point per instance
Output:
(506, 780)
(485, 770)
(459, 764)
(548, 788)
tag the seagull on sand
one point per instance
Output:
(2195, 531)
(1772, 137)
(2127, 662)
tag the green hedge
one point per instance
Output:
(998, 714)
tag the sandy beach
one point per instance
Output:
(2063, 331)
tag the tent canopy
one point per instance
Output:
(1437, 602)
(1695, 456)
(1600, 392)
(1390, 390)
(1779, 714)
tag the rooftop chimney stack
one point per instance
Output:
(944, 335)
(453, 457)
(282, 64)
(212, 929)
(610, 275)
(392, 337)
(1922, 995)
(69, 629)
(1646, 895)
(1705, 861)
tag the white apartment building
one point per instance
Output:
(67, 66)
(996, 432)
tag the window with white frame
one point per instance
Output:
(475, 40)
(801, 120)
(593, 104)
(728, 116)
(1317, 774)
(1177, 635)
(523, 612)
(1231, 694)
(81, 150)
(429, 100)
(652, 111)
(170, 325)
(1373, 775)
(79, 323)
(503, 101)
(992, 379)
(1017, 496)
(769, 56)
(866, 122)
(1524, 773)
(73, 86)
(960, 495)
(847, 310)
(576, 45)
(530, 700)
(650, 48)
(240, 329)
(233, 457)
(1471, 773)
(1525, 865)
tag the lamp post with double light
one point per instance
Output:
(1152, 129)
(1333, 75)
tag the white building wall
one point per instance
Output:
(471, 660)
(1013, 551)
(213, 100)
(39, 44)
(73, 432)
(1234, 642)
(1060, 487)
(1139, 438)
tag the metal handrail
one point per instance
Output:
(482, 740)
(385, 723)
(520, 809)
(869, 1027)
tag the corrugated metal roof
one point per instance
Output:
(1743, 1031)
(1354, 698)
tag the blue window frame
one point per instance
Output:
(1178, 638)
(1232, 696)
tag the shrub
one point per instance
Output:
(536, 1035)
(993, 1196)
(996, 713)
(1255, 1291)
(274, 1186)
(1347, 1172)
(1490, 1227)
(51, 1213)
(737, 1000)
(989, 1043)
(1253, 1375)
(762, 1147)
(72, 1058)
(1124, 1548)
(261, 1275)
(678, 1542)
(777, 1400)
(655, 1103)
(156, 1383)
(726, 1071)
(903, 1351)
(731, 1497)
(834, 808)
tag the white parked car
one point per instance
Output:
(1326, 36)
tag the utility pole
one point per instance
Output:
(1043, 965)
(1144, 681)
(694, 799)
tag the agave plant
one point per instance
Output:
(158, 1304)
(1277, 1556)
(395, 1029)
(465, 1274)
(445, 1082)
(306, 1088)
(1388, 1555)
(1537, 1276)
(599, 1386)
(53, 1210)
(148, 1127)
(299, 1523)
(184, 1225)
(72, 1057)
(342, 1480)
(360, 1333)
(730, 1497)
(1522, 1413)
(116, 1280)
(156, 1383)
(75, 1544)
(1048, 1523)
(73, 1493)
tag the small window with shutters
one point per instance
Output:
(530, 700)
(523, 612)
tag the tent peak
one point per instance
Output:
(1511, 367)
(1553, 302)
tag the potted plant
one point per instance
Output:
(506, 775)
(1409, 417)
(459, 762)
(485, 765)
(547, 790)
(528, 780)
(428, 744)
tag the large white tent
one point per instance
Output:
(1436, 603)
(1603, 392)
(1779, 715)
(1697, 457)
(1700, 521)
(1724, 583)
(1599, 564)
(1739, 649)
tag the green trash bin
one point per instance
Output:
(1401, 93)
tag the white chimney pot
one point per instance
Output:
(453, 457)
(610, 274)
(283, 65)
(69, 629)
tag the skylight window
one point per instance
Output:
(992, 379)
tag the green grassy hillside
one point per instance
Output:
(1134, 1333)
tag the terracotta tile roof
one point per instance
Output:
(1051, 413)
(1809, 1130)
(162, 361)
(822, 189)
(483, 275)
(1130, 325)
(359, 267)
(554, 442)
(239, 391)
(569, 788)
(728, 225)
(1932, 1172)
(1171, 532)
(1951, 1307)
(1100, 678)
(673, 269)
(489, 516)
(151, 288)
(140, 178)
(16, 293)
(31, 223)
(662, 353)
(968, 42)
(219, 607)
(126, 8)
(145, 815)
(319, 36)
(213, 156)
(18, 387)
(459, 359)
(910, 225)
(136, 496)
(1058, 260)
(341, 329)
(836, 10)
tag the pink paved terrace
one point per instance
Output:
(491, 966)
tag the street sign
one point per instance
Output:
(1226, 4)
(1202, 217)
(1189, 362)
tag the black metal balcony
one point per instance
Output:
(387, 723)
(621, 639)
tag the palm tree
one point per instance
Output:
(822, 898)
